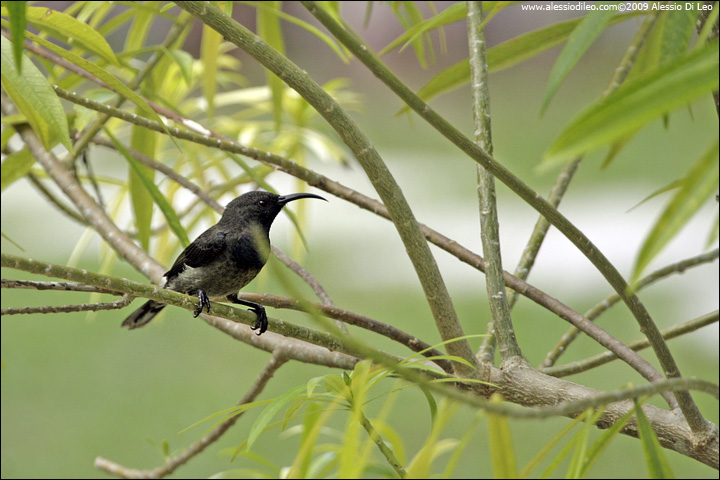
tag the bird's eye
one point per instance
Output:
(262, 203)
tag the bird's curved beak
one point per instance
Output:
(283, 199)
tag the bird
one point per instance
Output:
(224, 258)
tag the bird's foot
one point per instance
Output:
(204, 303)
(261, 322)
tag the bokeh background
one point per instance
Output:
(76, 386)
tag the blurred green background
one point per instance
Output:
(76, 386)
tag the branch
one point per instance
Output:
(606, 357)
(490, 228)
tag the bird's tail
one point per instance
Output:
(143, 315)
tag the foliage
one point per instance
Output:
(198, 125)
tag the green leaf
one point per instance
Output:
(102, 74)
(655, 460)
(670, 186)
(540, 456)
(268, 27)
(577, 44)
(616, 148)
(16, 14)
(67, 27)
(593, 453)
(269, 413)
(15, 166)
(165, 207)
(454, 13)
(326, 39)
(505, 55)
(34, 97)
(699, 184)
(708, 27)
(184, 61)
(414, 17)
(210, 48)
(678, 28)
(637, 103)
(714, 232)
(141, 23)
(580, 443)
(143, 141)
(502, 457)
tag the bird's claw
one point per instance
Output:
(261, 322)
(204, 302)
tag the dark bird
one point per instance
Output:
(225, 257)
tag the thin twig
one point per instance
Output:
(568, 337)
(276, 361)
(606, 357)
(85, 307)
(65, 286)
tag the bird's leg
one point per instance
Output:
(204, 303)
(262, 321)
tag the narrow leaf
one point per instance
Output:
(165, 207)
(210, 48)
(34, 97)
(15, 166)
(67, 27)
(102, 74)
(655, 460)
(699, 184)
(637, 103)
(505, 55)
(454, 13)
(502, 457)
(593, 453)
(143, 141)
(577, 44)
(268, 27)
(326, 39)
(16, 14)
(269, 413)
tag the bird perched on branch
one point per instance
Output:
(225, 257)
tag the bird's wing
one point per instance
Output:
(201, 252)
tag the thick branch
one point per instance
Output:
(490, 227)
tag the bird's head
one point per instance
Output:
(259, 206)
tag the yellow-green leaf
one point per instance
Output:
(34, 97)
(16, 14)
(268, 27)
(165, 207)
(700, 183)
(67, 27)
(655, 460)
(15, 166)
(102, 74)
(502, 456)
